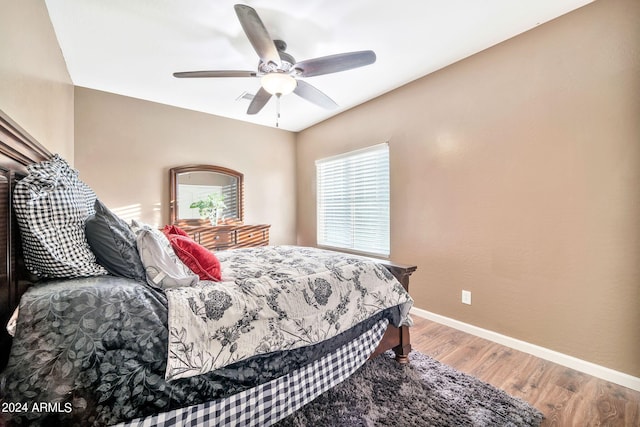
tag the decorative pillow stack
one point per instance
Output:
(199, 259)
(114, 244)
(66, 232)
(51, 205)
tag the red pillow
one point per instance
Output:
(170, 230)
(199, 259)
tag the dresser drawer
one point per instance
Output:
(253, 236)
(230, 236)
(216, 239)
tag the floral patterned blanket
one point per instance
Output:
(272, 299)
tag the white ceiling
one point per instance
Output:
(132, 47)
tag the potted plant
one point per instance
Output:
(211, 207)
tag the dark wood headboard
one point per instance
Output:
(17, 150)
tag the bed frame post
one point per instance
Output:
(17, 150)
(394, 338)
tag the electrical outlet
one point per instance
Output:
(466, 297)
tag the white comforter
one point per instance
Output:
(271, 299)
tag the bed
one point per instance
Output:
(107, 350)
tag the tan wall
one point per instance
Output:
(515, 175)
(35, 87)
(125, 148)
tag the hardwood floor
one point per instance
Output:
(566, 397)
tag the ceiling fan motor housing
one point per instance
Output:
(287, 61)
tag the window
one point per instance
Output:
(353, 200)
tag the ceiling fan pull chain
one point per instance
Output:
(277, 110)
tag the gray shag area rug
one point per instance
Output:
(424, 392)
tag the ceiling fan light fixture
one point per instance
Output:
(278, 83)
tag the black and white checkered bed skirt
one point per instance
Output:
(270, 402)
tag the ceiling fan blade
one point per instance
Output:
(259, 100)
(334, 63)
(220, 73)
(311, 94)
(257, 34)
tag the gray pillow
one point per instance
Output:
(160, 267)
(114, 243)
(51, 205)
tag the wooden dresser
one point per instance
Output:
(223, 237)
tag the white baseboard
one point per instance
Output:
(589, 368)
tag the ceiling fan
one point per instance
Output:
(279, 72)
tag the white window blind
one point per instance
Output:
(353, 200)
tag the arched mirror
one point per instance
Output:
(205, 194)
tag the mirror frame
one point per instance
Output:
(173, 192)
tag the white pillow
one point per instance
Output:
(164, 241)
(160, 267)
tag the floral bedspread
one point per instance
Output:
(272, 299)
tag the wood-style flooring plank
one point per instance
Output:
(566, 397)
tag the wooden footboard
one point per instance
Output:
(397, 338)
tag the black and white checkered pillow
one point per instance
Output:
(51, 205)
